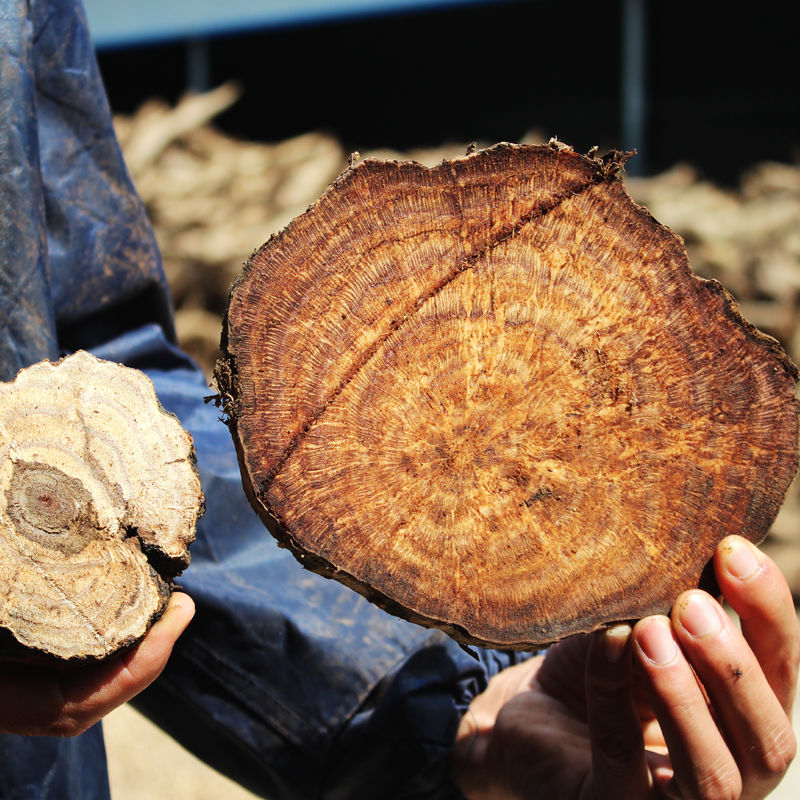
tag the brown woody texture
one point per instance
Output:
(99, 498)
(493, 397)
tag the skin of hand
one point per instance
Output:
(682, 707)
(38, 699)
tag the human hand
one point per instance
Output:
(683, 708)
(38, 699)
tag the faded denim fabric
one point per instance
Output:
(289, 683)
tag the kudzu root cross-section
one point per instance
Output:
(99, 498)
(492, 396)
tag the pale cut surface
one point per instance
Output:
(94, 477)
(493, 397)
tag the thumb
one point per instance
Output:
(619, 768)
(92, 693)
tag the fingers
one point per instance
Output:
(619, 768)
(726, 729)
(749, 715)
(759, 594)
(91, 693)
(564, 670)
(703, 765)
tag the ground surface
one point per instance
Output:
(144, 763)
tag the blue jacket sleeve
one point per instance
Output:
(289, 683)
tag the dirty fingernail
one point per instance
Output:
(656, 642)
(741, 561)
(614, 642)
(699, 616)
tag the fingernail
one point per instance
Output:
(699, 616)
(656, 642)
(741, 560)
(614, 642)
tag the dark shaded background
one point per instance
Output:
(722, 80)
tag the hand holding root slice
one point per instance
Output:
(99, 499)
(493, 397)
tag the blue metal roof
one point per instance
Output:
(118, 23)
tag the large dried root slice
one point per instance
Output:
(99, 499)
(493, 397)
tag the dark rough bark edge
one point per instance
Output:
(611, 167)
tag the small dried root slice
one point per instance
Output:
(99, 498)
(493, 397)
